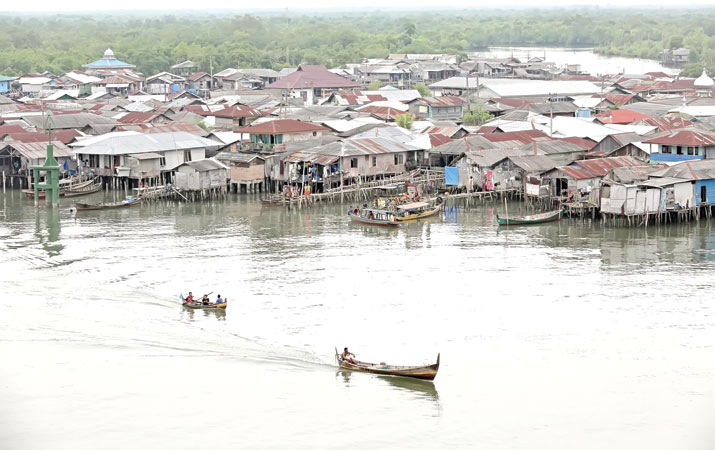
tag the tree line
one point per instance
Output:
(60, 43)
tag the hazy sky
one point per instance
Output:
(168, 6)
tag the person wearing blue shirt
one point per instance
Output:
(219, 299)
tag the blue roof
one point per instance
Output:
(106, 62)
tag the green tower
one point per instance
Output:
(51, 186)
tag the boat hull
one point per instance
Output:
(531, 220)
(100, 206)
(432, 212)
(368, 221)
(420, 372)
(220, 306)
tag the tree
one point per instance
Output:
(375, 85)
(405, 120)
(477, 117)
(423, 90)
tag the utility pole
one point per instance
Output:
(340, 168)
(551, 114)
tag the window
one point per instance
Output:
(315, 133)
(665, 149)
(117, 161)
(93, 160)
(679, 150)
(692, 151)
(162, 161)
(399, 159)
(353, 163)
(374, 161)
(187, 156)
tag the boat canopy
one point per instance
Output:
(414, 205)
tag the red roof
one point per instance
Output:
(616, 99)
(621, 116)
(237, 111)
(281, 126)
(585, 143)
(689, 138)
(600, 167)
(437, 139)
(525, 137)
(447, 100)
(197, 76)
(7, 129)
(64, 136)
(676, 85)
(312, 77)
(139, 117)
(667, 123)
(381, 112)
(576, 173)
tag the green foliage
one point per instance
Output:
(476, 117)
(423, 90)
(154, 42)
(405, 120)
(375, 85)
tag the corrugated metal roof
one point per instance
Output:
(238, 157)
(600, 166)
(143, 143)
(576, 173)
(282, 126)
(205, 165)
(315, 158)
(487, 158)
(145, 155)
(533, 163)
(312, 77)
(684, 137)
(38, 150)
(442, 101)
(703, 169)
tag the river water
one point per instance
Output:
(559, 336)
(590, 62)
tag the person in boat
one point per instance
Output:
(190, 298)
(219, 299)
(350, 210)
(205, 300)
(347, 356)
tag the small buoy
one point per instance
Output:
(73, 210)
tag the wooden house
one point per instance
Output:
(281, 131)
(16, 158)
(438, 108)
(247, 170)
(208, 175)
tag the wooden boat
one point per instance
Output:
(416, 210)
(196, 304)
(129, 201)
(372, 216)
(532, 219)
(84, 190)
(67, 186)
(421, 372)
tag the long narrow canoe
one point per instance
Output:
(65, 186)
(421, 372)
(131, 201)
(196, 304)
(415, 211)
(199, 305)
(375, 217)
(84, 190)
(532, 219)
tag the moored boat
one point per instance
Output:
(66, 185)
(129, 201)
(428, 372)
(90, 188)
(373, 216)
(531, 219)
(416, 210)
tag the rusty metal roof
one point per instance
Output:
(315, 158)
(282, 126)
(37, 150)
(600, 166)
(576, 173)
